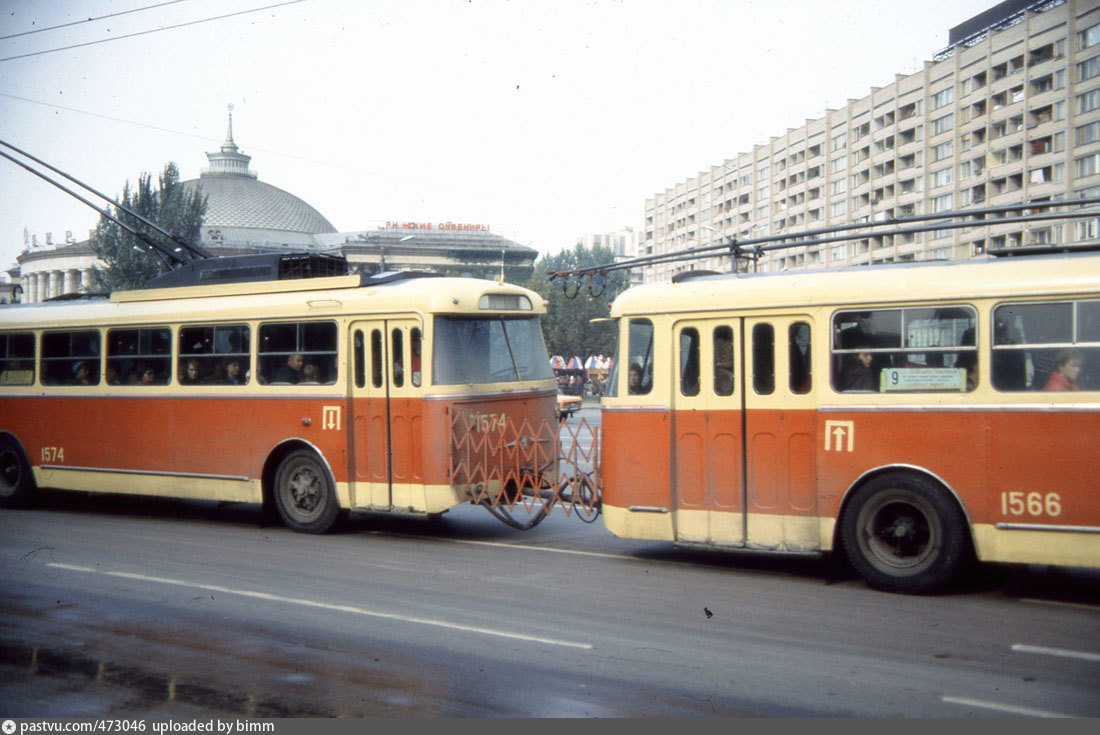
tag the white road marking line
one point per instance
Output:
(514, 546)
(1058, 603)
(1026, 711)
(1062, 652)
(324, 605)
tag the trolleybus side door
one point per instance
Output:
(385, 415)
(780, 431)
(708, 475)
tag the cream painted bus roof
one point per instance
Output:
(1004, 277)
(299, 299)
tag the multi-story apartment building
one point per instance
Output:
(1010, 111)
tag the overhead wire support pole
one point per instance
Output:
(193, 251)
(854, 231)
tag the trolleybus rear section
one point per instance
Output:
(913, 418)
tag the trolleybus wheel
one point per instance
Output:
(16, 480)
(903, 534)
(304, 493)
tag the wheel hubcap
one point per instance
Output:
(899, 535)
(305, 490)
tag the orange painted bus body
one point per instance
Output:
(232, 437)
(991, 460)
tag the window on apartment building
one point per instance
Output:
(763, 172)
(1088, 101)
(942, 151)
(1089, 37)
(1088, 68)
(839, 164)
(942, 203)
(1087, 165)
(944, 97)
(840, 208)
(943, 177)
(1053, 174)
(943, 124)
(840, 141)
(839, 186)
(1088, 133)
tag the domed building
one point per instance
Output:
(246, 215)
(243, 214)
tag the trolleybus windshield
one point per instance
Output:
(488, 350)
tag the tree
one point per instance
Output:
(129, 262)
(567, 326)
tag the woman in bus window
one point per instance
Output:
(192, 373)
(1067, 369)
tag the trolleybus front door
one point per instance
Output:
(385, 414)
(780, 431)
(708, 487)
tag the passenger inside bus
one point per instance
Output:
(859, 373)
(291, 372)
(311, 375)
(1067, 369)
(191, 373)
(637, 383)
(231, 374)
(83, 375)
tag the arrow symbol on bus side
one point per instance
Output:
(838, 430)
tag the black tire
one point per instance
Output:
(16, 479)
(904, 533)
(304, 493)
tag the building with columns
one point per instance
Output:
(246, 215)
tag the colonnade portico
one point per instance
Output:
(43, 285)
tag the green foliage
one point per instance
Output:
(129, 262)
(567, 325)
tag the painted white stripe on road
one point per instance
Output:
(1059, 603)
(1061, 652)
(1012, 709)
(509, 546)
(324, 605)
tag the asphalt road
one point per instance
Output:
(116, 606)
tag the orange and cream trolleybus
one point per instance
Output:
(915, 416)
(312, 395)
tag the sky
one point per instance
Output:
(544, 120)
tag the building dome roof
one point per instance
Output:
(242, 201)
(242, 209)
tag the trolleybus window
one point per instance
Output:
(360, 360)
(17, 358)
(763, 359)
(397, 344)
(376, 358)
(723, 361)
(139, 356)
(70, 358)
(640, 357)
(799, 350)
(1047, 346)
(298, 352)
(689, 362)
(905, 350)
(414, 352)
(488, 350)
(216, 355)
